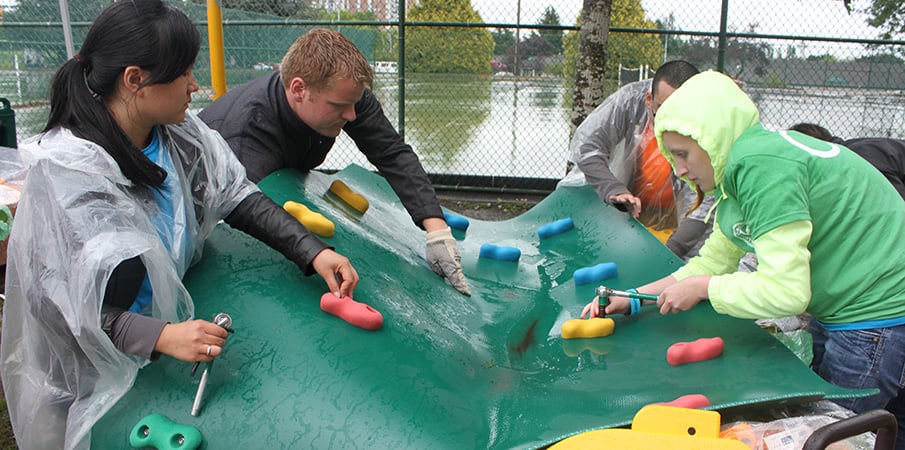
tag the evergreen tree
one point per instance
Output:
(554, 37)
(502, 40)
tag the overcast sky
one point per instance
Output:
(825, 18)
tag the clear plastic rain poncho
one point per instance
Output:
(615, 151)
(77, 219)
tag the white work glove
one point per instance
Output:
(444, 259)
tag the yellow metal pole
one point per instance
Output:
(215, 39)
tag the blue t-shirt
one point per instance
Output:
(164, 220)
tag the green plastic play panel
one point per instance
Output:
(446, 370)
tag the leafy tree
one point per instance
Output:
(387, 45)
(49, 10)
(375, 44)
(45, 45)
(742, 55)
(345, 16)
(570, 52)
(447, 49)
(554, 37)
(294, 9)
(887, 15)
(774, 81)
(531, 52)
(632, 50)
(670, 41)
(502, 40)
(791, 52)
(825, 58)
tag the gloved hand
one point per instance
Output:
(444, 259)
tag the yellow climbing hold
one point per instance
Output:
(354, 199)
(591, 328)
(314, 222)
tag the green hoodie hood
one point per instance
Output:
(711, 109)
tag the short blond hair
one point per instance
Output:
(322, 56)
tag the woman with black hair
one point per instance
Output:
(123, 187)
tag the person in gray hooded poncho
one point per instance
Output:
(122, 189)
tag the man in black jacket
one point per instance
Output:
(887, 155)
(291, 119)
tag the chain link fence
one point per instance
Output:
(482, 89)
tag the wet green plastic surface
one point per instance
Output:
(446, 371)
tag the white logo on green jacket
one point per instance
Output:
(742, 231)
(832, 152)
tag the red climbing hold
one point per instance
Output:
(699, 350)
(356, 313)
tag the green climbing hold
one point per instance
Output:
(159, 432)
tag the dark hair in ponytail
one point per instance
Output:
(144, 33)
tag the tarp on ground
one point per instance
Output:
(445, 371)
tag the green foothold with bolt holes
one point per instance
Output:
(159, 432)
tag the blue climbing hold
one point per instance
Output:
(600, 272)
(499, 252)
(456, 222)
(553, 228)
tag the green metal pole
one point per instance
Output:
(721, 52)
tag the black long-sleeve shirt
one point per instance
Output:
(887, 155)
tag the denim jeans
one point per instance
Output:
(863, 359)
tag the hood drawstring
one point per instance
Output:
(712, 209)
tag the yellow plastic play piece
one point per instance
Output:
(314, 222)
(591, 328)
(661, 235)
(352, 198)
(658, 426)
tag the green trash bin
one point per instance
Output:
(7, 124)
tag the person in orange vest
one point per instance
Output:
(614, 150)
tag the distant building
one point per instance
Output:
(847, 74)
(383, 9)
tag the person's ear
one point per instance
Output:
(132, 78)
(648, 100)
(297, 89)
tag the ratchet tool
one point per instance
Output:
(605, 293)
(224, 321)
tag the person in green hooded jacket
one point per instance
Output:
(822, 221)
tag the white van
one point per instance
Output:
(385, 66)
